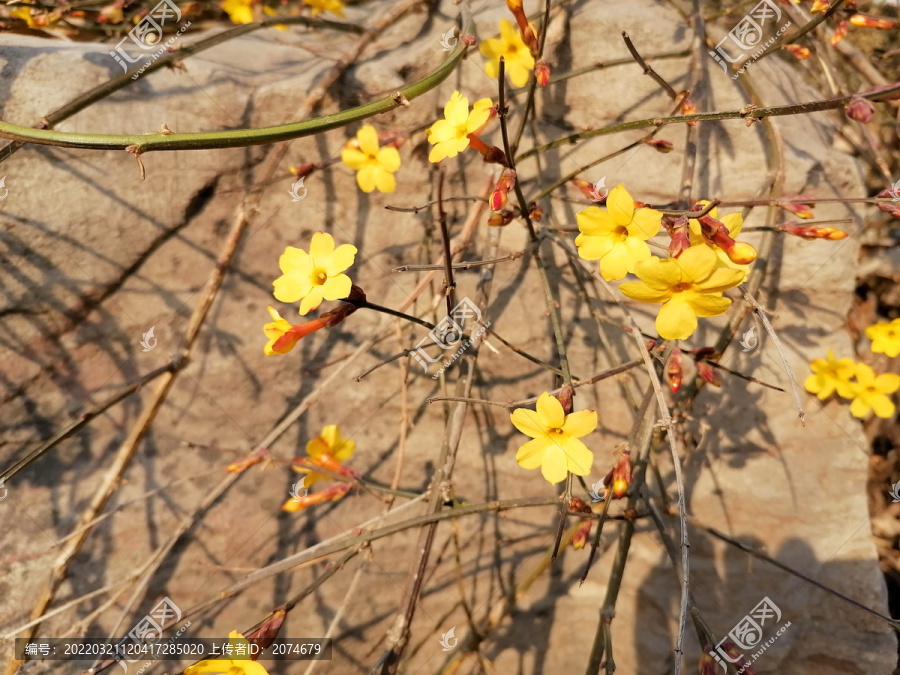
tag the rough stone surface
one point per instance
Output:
(92, 258)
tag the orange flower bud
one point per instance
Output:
(303, 170)
(797, 208)
(860, 109)
(798, 51)
(864, 21)
(660, 145)
(708, 373)
(621, 474)
(739, 253)
(330, 494)
(686, 106)
(812, 232)
(501, 219)
(582, 535)
(819, 6)
(542, 73)
(243, 465)
(535, 212)
(674, 370)
(840, 31)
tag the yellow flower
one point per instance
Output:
(314, 276)
(36, 18)
(733, 222)
(336, 7)
(239, 11)
(830, 376)
(452, 135)
(554, 446)
(327, 450)
(617, 237)
(238, 664)
(374, 167)
(885, 337)
(870, 392)
(688, 286)
(518, 58)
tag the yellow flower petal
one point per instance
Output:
(311, 301)
(581, 423)
(555, 464)
(645, 223)
(291, 287)
(368, 139)
(578, 458)
(389, 159)
(341, 259)
(620, 205)
(354, 159)
(707, 305)
(676, 320)
(644, 293)
(336, 288)
(295, 260)
(550, 411)
(528, 422)
(531, 455)
(384, 180)
(321, 246)
(365, 178)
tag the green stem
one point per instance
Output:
(236, 138)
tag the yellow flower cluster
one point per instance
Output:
(857, 381)
(688, 286)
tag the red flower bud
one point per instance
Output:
(565, 396)
(679, 232)
(542, 73)
(840, 31)
(796, 207)
(467, 38)
(708, 373)
(497, 199)
(582, 535)
(812, 232)
(265, 635)
(860, 109)
(660, 145)
(674, 370)
(685, 105)
(501, 219)
(535, 212)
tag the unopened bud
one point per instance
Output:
(542, 73)
(739, 253)
(265, 635)
(840, 31)
(881, 22)
(799, 209)
(581, 536)
(860, 109)
(799, 52)
(565, 396)
(674, 370)
(501, 219)
(660, 145)
(819, 6)
(685, 105)
(708, 373)
(679, 232)
(621, 474)
(497, 199)
(813, 232)
(535, 212)
(467, 39)
(302, 170)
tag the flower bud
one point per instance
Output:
(674, 370)
(565, 396)
(660, 145)
(243, 465)
(468, 39)
(330, 494)
(302, 170)
(535, 212)
(501, 219)
(265, 635)
(881, 22)
(497, 199)
(582, 535)
(796, 207)
(708, 373)
(685, 105)
(892, 207)
(840, 31)
(739, 253)
(621, 474)
(799, 52)
(494, 155)
(542, 73)
(810, 232)
(819, 6)
(679, 232)
(860, 109)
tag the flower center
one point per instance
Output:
(318, 276)
(621, 232)
(555, 432)
(682, 287)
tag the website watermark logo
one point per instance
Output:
(150, 629)
(299, 490)
(747, 635)
(448, 334)
(146, 340)
(894, 493)
(747, 36)
(599, 191)
(894, 192)
(446, 640)
(597, 491)
(148, 34)
(749, 340)
(293, 192)
(449, 40)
